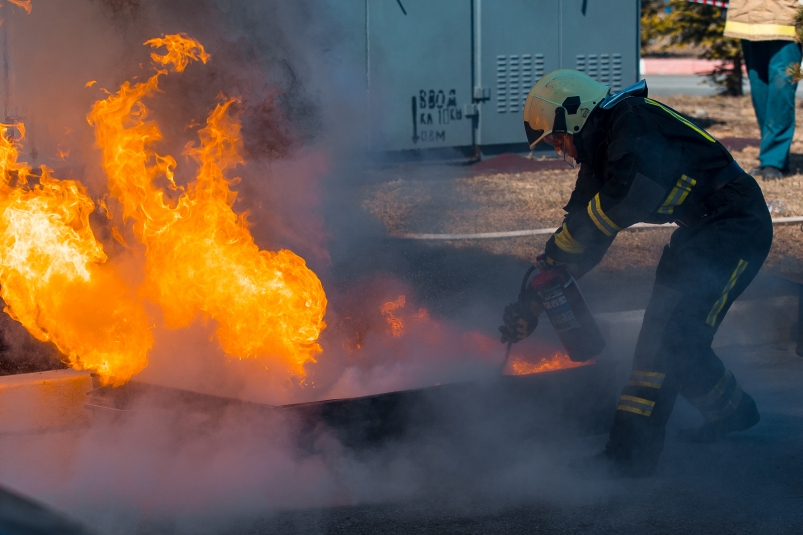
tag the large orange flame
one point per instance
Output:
(200, 256)
(53, 276)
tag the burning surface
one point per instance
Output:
(558, 361)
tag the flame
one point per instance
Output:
(200, 256)
(24, 4)
(558, 361)
(53, 276)
(180, 50)
(396, 323)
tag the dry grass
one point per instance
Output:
(503, 202)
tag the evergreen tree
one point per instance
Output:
(679, 22)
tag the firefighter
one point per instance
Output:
(644, 162)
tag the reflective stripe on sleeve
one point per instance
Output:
(766, 30)
(677, 195)
(682, 119)
(608, 227)
(567, 243)
(720, 303)
(647, 379)
(635, 405)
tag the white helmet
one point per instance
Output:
(561, 102)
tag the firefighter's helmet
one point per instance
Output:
(561, 102)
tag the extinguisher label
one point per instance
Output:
(555, 303)
(558, 309)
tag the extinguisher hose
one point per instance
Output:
(525, 279)
(521, 293)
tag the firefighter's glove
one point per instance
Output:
(521, 317)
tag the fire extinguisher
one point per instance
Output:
(567, 310)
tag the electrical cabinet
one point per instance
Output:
(456, 73)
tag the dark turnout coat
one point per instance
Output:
(640, 162)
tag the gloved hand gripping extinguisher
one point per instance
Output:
(566, 308)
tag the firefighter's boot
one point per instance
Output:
(634, 447)
(744, 417)
(726, 409)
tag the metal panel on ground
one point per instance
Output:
(516, 42)
(419, 72)
(600, 38)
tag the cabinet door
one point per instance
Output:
(516, 42)
(600, 38)
(419, 73)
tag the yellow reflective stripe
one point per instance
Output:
(635, 405)
(715, 393)
(646, 379)
(720, 303)
(677, 195)
(745, 28)
(682, 119)
(640, 401)
(733, 403)
(566, 243)
(627, 408)
(658, 375)
(602, 221)
(686, 189)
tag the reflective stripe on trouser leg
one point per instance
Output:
(723, 298)
(636, 405)
(646, 379)
(720, 401)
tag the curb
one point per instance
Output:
(33, 403)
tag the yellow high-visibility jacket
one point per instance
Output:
(762, 20)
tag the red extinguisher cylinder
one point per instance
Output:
(568, 312)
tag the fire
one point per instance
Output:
(24, 4)
(558, 361)
(396, 323)
(53, 276)
(200, 256)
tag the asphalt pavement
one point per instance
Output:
(749, 483)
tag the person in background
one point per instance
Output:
(767, 31)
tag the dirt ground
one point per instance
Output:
(420, 203)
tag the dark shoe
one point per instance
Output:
(771, 173)
(756, 173)
(744, 417)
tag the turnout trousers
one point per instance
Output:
(704, 268)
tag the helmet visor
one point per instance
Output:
(533, 136)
